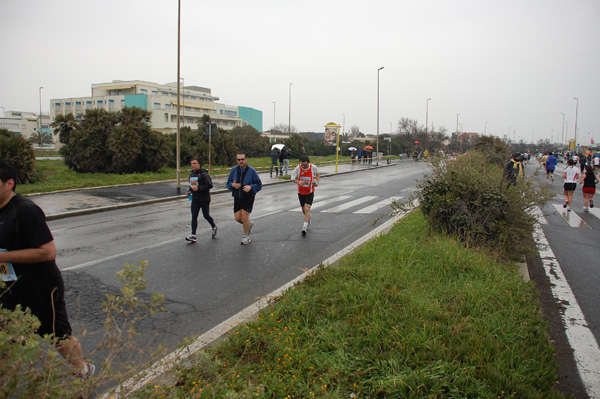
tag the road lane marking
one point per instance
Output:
(350, 204)
(94, 262)
(595, 212)
(581, 338)
(319, 204)
(169, 361)
(571, 217)
(377, 205)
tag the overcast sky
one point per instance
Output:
(512, 63)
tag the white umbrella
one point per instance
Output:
(278, 146)
(351, 148)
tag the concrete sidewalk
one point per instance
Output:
(64, 204)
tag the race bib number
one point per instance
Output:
(7, 272)
(193, 181)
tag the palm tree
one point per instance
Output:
(63, 125)
(41, 138)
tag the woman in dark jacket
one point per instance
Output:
(199, 192)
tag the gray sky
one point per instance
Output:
(516, 63)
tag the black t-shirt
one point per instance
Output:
(23, 226)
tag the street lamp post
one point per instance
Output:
(177, 151)
(427, 115)
(274, 125)
(576, 113)
(344, 124)
(40, 117)
(290, 112)
(485, 128)
(562, 136)
(377, 146)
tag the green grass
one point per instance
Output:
(411, 314)
(58, 177)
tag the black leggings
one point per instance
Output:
(196, 206)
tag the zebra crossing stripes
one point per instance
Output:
(350, 204)
(572, 218)
(318, 203)
(377, 205)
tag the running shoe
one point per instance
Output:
(565, 204)
(585, 209)
(591, 203)
(214, 232)
(250, 228)
(88, 370)
(245, 240)
(303, 231)
(191, 237)
(569, 209)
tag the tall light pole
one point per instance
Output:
(427, 115)
(177, 151)
(274, 125)
(562, 137)
(40, 117)
(290, 112)
(377, 150)
(344, 124)
(485, 128)
(576, 112)
(457, 125)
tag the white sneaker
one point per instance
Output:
(214, 232)
(88, 370)
(569, 209)
(304, 231)
(246, 240)
(191, 237)
(585, 209)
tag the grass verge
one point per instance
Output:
(411, 314)
(58, 177)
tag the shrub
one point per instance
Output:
(18, 152)
(121, 142)
(470, 199)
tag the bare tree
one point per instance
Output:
(354, 131)
(284, 127)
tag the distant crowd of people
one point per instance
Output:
(582, 169)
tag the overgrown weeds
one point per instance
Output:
(30, 367)
(470, 199)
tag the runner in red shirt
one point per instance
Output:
(307, 177)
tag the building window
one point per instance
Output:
(167, 106)
(166, 117)
(144, 91)
(155, 92)
(156, 105)
(230, 113)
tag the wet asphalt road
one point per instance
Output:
(209, 281)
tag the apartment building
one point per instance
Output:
(161, 101)
(25, 123)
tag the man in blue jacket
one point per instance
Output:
(244, 183)
(551, 162)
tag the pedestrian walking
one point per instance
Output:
(284, 160)
(243, 182)
(570, 174)
(28, 266)
(307, 177)
(274, 158)
(551, 162)
(589, 180)
(596, 162)
(199, 192)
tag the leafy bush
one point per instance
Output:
(18, 152)
(31, 368)
(121, 142)
(469, 198)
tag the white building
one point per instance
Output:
(24, 123)
(159, 99)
